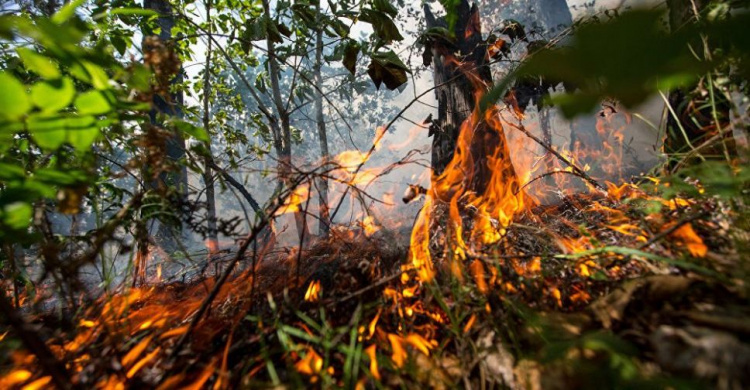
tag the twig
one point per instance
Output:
(567, 162)
(543, 175)
(236, 184)
(364, 290)
(382, 133)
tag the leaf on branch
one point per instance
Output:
(387, 68)
(188, 128)
(351, 51)
(383, 25)
(626, 59)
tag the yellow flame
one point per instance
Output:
(313, 291)
(311, 364)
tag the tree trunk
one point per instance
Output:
(462, 75)
(167, 235)
(322, 137)
(212, 239)
(285, 149)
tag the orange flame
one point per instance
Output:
(313, 291)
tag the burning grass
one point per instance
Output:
(350, 312)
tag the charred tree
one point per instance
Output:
(462, 75)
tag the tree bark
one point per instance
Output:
(461, 75)
(212, 239)
(284, 147)
(322, 136)
(165, 234)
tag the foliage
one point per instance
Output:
(60, 96)
(631, 57)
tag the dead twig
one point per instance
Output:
(357, 293)
(559, 156)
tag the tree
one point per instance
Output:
(458, 81)
(212, 241)
(170, 104)
(322, 185)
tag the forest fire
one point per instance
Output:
(519, 256)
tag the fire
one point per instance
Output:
(481, 177)
(399, 353)
(369, 226)
(371, 353)
(691, 240)
(313, 291)
(293, 203)
(16, 377)
(311, 364)
(350, 160)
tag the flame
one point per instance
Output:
(212, 245)
(137, 366)
(691, 240)
(379, 134)
(480, 176)
(313, 291)
(349, 160)
(399, 353)
(38, 384)
(371, 353)
(293, 203)
(477, 269)
(136, 351)
(16, 377)
(311, 364)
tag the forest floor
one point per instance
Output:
(572, 296)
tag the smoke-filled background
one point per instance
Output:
(355, 111)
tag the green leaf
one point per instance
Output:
(11, 172)
(56, 177)
(188, 128)
(133, 11)
(17, 215)
(14, 102)
(628, 59)
(139, 78)
(92, 102)
(383, 25)
(38, 63)
(82, 139)
(48, 133)
(67, 11)
(451, 13)
(385, 6)
(82, 131)
(54, 95)
(90, 73)
(119, 43)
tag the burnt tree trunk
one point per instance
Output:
(462, 75)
